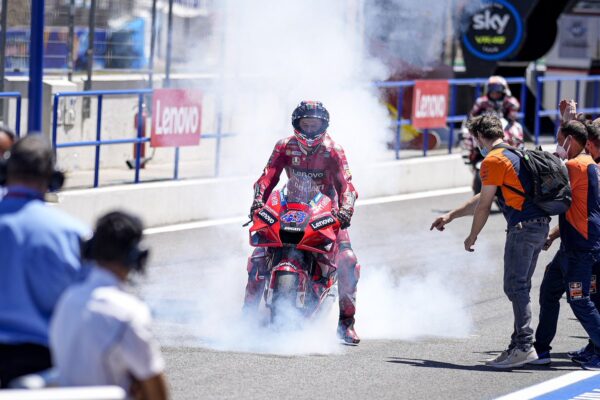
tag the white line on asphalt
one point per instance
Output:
(549, 386)
(359, 203)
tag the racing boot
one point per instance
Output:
(257, 268)
(346, 330)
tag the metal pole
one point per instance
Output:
(90, 58)
(169, 44)
(152, 45)
(98, 139)
(71, 39)
(168, 74)
(3, 43)
(90, 49)
(36, 66)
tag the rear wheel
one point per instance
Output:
(283, 306)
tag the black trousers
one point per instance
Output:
(22, 359)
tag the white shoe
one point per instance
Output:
(516, 358)
(499, 358)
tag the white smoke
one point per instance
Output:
(276, 53)
(279, 52)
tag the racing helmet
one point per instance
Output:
(310, 109)
(498, 84)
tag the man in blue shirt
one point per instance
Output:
(39, 257)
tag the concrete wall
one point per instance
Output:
(164, 203)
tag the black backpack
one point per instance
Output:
(551, 188)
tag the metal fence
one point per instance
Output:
(139, 140)
(576, 90)
(453, 118)
(588, 96)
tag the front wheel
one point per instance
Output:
(283, 306)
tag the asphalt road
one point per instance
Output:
(429, 313)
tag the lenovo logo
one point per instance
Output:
(267, 217)
(322, 223)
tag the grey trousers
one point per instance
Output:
(523, 245)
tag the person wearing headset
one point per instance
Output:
(39, 256)
(100, 334)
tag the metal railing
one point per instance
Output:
(139, 140)
(554, 112)
(453, 118)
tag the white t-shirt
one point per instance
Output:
(100, 335)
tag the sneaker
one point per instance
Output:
(593, 363)
(501, 357)
(543, 359)
(587, 349)
(584, 357)
(346, 331)
(516, 358)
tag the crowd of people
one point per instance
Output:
(573, 270)
(63, 288)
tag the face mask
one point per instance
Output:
(561, 152)
(483, 150)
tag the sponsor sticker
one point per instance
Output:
(267, 217)
(293, 216)
(309, 174)
(575, 290)
(323, 222)
(292, 229)
(295, 160)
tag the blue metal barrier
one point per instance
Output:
(17, 97)
(539, 112)
(138, 141)
(453, 118)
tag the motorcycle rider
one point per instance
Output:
(497, 99)
(311, 152)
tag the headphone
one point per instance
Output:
(135, 259)
(55, 181)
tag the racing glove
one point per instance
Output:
(256, 204)
(344, 215)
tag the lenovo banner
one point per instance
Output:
(176, 117)
(430, 104)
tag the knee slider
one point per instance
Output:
(348, 262)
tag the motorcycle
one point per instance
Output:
(297, 224)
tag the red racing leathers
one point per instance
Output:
(507, 108)
(326, 164)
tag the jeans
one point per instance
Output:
(523, 245)
(569, 272)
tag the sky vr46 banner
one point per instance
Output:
(176, 117)
(430, 104)
(494, 31)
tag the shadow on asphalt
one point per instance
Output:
(562, 364)
(439, 364)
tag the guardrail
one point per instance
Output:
(453, 118)
(138, 140)
(539, 112)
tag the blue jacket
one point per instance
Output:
(39, 258)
